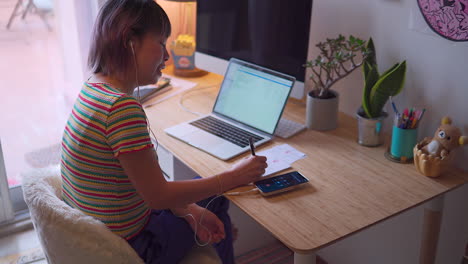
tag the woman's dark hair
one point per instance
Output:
(118, 21)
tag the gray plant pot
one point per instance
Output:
(370, 130)
(322, 114)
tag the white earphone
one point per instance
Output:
(131, 46)
(130, 42)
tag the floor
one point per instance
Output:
(25, 242)
(34, 106)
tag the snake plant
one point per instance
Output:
(379, 87)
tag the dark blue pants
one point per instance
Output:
(167, 238)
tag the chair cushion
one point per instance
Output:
(67, 235)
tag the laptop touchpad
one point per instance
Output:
(204, 139)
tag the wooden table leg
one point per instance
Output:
(430, 232)
(305, 258)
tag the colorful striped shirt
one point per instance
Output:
(103, 124)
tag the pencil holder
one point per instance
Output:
(403, 142)
(186, 62)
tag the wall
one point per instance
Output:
(175, 11)
(436, 75)
(437, 80)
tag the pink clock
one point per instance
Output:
(447, 18)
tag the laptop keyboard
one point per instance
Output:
(225, 130)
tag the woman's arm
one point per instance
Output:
(146, 176)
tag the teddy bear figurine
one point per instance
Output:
(433, 155)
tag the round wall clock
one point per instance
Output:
(447, 18)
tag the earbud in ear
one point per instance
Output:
(131, 47)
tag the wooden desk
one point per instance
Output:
(351, 187)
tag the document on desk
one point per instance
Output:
(280, 158)
(178, 85)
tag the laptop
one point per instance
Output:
(249, 104)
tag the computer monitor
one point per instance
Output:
(270, 33)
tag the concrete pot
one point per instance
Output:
(370, 130)
(322, 114)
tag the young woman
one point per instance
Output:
(109, 167)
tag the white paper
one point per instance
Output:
(275, 166)
(280, 158)
(178, 85)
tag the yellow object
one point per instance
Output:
(183, 45)
(446, 120)
(463, 140)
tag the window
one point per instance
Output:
(43, 67)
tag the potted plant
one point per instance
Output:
(378, 88)
(338, 57)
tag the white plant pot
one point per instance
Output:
(322, 114)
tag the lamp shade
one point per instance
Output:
(182, 47)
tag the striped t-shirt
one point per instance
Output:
(104, 123)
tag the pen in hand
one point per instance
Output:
(252, 147)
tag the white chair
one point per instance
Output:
(69, 236)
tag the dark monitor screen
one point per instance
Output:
(270, 33)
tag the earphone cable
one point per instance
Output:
(181, 99)
(200, 223)
(203, 215)
(139, 98)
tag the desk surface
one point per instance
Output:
(351, 187)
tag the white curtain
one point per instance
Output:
(74, 23)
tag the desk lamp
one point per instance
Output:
(182, 48)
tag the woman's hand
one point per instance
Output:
(211, 228)
(247, 170)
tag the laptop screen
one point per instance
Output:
(253, 95)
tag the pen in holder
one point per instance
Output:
(404, 136)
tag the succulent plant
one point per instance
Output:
(378, 88)
(338, 58)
